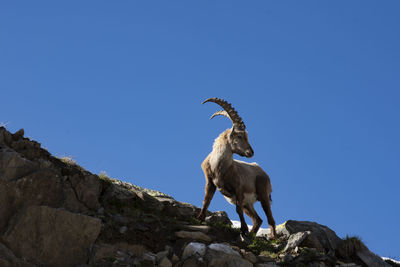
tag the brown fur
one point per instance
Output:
(236, 180)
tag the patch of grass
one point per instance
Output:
(309, 254)
(194, 221)
(105, 178)
(271, 254)
(350, 246)
(262, 246)
(153, 193)
(104, 175)
(225, 227)
(71, 162)
(68, 160)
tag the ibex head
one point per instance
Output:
(238, 139)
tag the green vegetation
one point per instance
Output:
(262, 246)
(349, 246)
(105, 178)
(153, 193)
(104, 175)
(225, 227)
(194, 221)
(355, 241)
(71, 162)
(68, 160)
(310, 254)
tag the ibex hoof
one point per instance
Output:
(245, 238)
(201, 217)
(273, 233)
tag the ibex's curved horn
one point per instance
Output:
(231, 112)
(220, 112)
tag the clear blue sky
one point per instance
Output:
(118, 85)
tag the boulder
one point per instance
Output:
(44, 187)
(371, 259)
(193, 235)
(8, 259)
(320, 237)
(295, 240)
(18, 134)
(220, 255)
(192, 262)
(201, 228)
(13, 166)
(268, 264)
(48, 236)
(194, 249)
(103, 252)
(218, 217)
(223, 249)
(228, 260)
(165, 262)
(5, 137)
(128, 196)
(88, 189)
(248, 255)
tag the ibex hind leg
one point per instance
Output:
(264, 197)
(257, 221)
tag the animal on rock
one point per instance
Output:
(241, 183)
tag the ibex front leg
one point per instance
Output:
(244, 229)
(210, 190)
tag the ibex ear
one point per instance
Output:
(233, 132)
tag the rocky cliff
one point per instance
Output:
(55, 213)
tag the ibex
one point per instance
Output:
(241, 183)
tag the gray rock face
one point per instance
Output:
(194, 249)
(247, 255)
(193, 235)
(229, 260)
(320, 237)
(201, 228)
(216, 254)
(43, 187)
(5, 137)
(296, 239)
(103, 252)
(8, 259)
(370, 259)
(218, 217)
(165, 262)
(87, 188)
(13, 166)
(30, 176)
(223, 255)
(51, 236)
(222, 248)
(268, 264)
